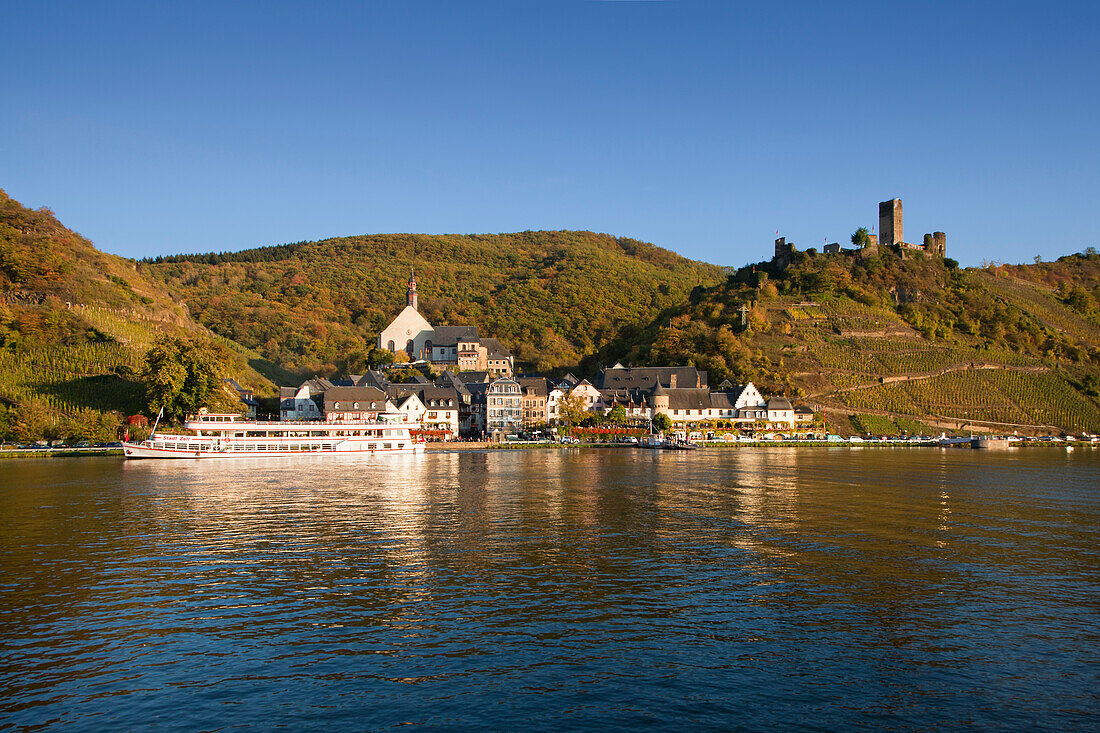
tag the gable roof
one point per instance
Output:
(538, 386)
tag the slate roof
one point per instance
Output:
(693, 398)
(647, 377)
(347, 396)
(723, 400)
(537, 386)
(449, 335)
(779, 403)
(494, 349)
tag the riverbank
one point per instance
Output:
(58, 452)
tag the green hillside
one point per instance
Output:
(552, 297)
(904, 343)
(898, 338)
(74, 324)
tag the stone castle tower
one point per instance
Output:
(783, 251)
(410, 295)
(890, 230)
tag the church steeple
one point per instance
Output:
(410, 296)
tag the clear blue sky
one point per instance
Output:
(155, 128)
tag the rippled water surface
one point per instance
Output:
(740, 589)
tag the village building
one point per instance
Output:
(504, 407)
(780, 411)
(536, 394)
(435, 408)
(458, 346)
(555, 397)
(354, 403)
(249, 403)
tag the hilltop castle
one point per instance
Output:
(891, 233)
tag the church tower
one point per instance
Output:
(410, 296)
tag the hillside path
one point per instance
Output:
(917, 376)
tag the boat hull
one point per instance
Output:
(136, 450)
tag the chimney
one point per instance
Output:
(672, 381)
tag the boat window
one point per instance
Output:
(386, 445)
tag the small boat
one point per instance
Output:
(991, 443)
(656, 442)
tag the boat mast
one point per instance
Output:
(157, 422)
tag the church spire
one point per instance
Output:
(410, 296)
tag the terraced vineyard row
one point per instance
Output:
(988, 395)
(1045, 307)
(879, 425)
(70, 379)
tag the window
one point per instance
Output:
(355, 405)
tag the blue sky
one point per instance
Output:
(704, 127)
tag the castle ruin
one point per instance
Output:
(891, 233)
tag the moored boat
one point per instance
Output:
(228, 436)
(992, 442)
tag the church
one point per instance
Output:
(459, 347)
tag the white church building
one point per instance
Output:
(460, 346)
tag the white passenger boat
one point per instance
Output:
(229, 436)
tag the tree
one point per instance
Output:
(379, 357)
(861, 237)
(662, 423)
(617, 416)
(573, 408)
(183, 374)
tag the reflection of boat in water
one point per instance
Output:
(227, 436)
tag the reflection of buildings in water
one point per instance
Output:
(292, 526)
(764, 488)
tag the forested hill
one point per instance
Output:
(889, 338)
(74, 325)
(551, 296)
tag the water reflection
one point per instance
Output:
(554, 588)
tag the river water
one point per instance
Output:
(754, 589)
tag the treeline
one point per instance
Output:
(552, 297)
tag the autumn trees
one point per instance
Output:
(183, 374)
